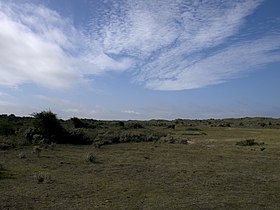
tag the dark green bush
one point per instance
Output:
(7, 129)
(248, 142)
(171, 126)
(47, 129)
(29, 133)
(136, 125)
(48, 126)
(121, 124)
(133, 136)
(173, 139)
(108, 137)
(77, 137)
(80, 124)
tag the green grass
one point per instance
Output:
(210, 172)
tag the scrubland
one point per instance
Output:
(157, 164)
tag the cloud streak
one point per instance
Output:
(131, 112)
(164, 45)
(185, 44)
(32, 47)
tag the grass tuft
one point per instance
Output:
(42, 177)
(247, 142)
(91, 158)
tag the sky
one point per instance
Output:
(140, 59)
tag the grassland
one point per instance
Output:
(209, 172)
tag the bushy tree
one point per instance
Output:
(47, 129)
(47, 125)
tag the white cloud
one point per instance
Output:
(31, 47)
(221, 66)
(98, 63)
(131, 112)
(166, 45)
(39, 46)
(171, 41)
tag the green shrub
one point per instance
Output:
(29, 133)
(137, 136)
(80, 124)
(108, 137)
(48, 126)
(7, 129)
(91, 158)
(77, 136)
(48, 129)
(173, 139)
(248, 142)
(171, 126)
(121, 124)
(42, 177)
(136, 125)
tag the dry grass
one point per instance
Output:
(210, 173)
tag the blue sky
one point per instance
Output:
(140, 59)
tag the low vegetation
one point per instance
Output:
(42, 177)
(48, 163)
(248, 142)
(91, 158)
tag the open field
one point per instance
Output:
(210, 172)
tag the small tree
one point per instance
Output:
(47, 125)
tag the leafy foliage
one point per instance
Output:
(48, 129)
(47, 125)
(77, 136)
(248, 142)
(6, 129)
(80, 124)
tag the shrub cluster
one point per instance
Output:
(173, 139)
(47, 129)
(126, 136)
(80, 124)
(248, 142)
(7, 129)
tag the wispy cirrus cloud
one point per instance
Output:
(223, 65)
(39, 46)
(165, 45)
(179, 45)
